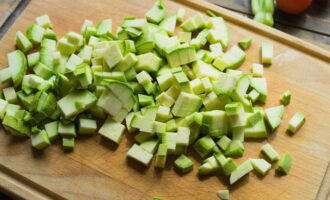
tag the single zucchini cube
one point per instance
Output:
(240, 171)
(245, 43)
(204, 146)
(270, 153)
(22, 42)
(186, 104)
(40, 140)
(52, 130)
(112, 130)
(223, 194)
(274, 116)
(44, 21)
(33, 59)
(68, 143)
(284, 165)
(258, 70)
(180, 14)
(235, 148)
(261, 165)
(183, 164)
(139, 154)
(224, 142)
(10, 94)
(161, 156)
(267, 51)
(35, 33)
(68, 130)
(148, 62)
(286, 98)
(209, 166)
(296, 122)
(87, 126)
(150, 145)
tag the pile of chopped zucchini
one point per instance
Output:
(170, 91)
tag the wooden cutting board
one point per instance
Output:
(98, 169)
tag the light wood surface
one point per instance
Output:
(98, 169)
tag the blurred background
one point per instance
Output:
(311, 24)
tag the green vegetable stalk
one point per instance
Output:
(263, 11)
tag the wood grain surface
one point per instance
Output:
(98, 169)
(312, 25)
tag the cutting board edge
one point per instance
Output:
(268, 31)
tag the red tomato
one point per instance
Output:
(293, 6)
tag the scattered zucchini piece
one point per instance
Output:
(286, 98)
(284, 164)
(223, 194)
(271, 154)
(267, 51)
(139, 154)
(183, 164)
(240, 171)
(245, 43)
(261, 165)
(296, 122)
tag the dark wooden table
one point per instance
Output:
(312, 25)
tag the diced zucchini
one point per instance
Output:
(186, 104)
(184, 37)
(202, 69)
(193, 23)
(209, 166)
(235, 148)
(180, 14)
(257, 70)
(10, 94)
(240, 171)
(104, 27)
(86, 126)
(284, 164)
(44, 21)
(261, 166)
(40, 140)
(150, 145)
(112, 130)
(204, 146)
(260, 85)
(223, 194)
(245, 43)
(168, 24)
(76, 102)
(183, 164)
(52, 130)
(216, 122)
(224, 142)
(68, 130)
(35, 33)
(22, 42)
(225, 84)
(181, 56)
(271, 154)
(161, 156)
(286, 98)
(296, 122)
(233, 58)
(17, 67)
(267, 51)
(68, 143)
(274, 116)
(157, 12)
(139, 154)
